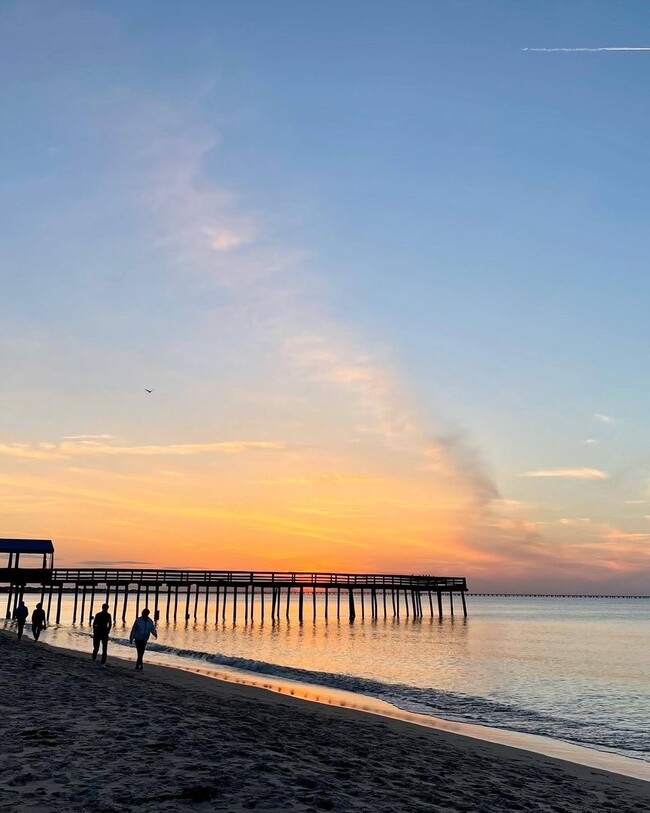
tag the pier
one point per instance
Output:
(214, 596)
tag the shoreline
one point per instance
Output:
(282, 752)
(367, 704)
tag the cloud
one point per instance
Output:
(334, 479)
(112, 562)
(574, 521)
(603, 418)
(592, 50)
(88, 437)
(91, 448)
(222, 238)
(590, 441)
(329, 358)
(576, 474)
(24, 450)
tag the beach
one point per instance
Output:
(78, 738)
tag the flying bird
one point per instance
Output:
(149, 391)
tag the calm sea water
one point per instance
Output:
(572, 669)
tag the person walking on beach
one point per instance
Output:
(142, 629)
(20, 614)
(39, 622)
(102, 624)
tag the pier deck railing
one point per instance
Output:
(255, 577)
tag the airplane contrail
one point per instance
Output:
(608, 48)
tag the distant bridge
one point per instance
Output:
(553, 595)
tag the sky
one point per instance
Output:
(384, 269)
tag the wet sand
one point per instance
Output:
(77, 738)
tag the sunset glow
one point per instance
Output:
(234, 335)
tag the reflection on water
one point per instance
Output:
(576, 669)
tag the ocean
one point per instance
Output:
(575, 670)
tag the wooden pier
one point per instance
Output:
(214, 596)
(183, 595)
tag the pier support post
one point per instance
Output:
(451, 603)
(439, 604)
(9, 597)
(313, 599)
(83, 603)
(76, 602)
(353, 613)
(169, 601)
(126, 598)
(327, 598)
(175, 603)
(49, 602)
(338, 603)
(217, 602)
(252, 601)
(234, 604)
(225, 599)
(115, 599)
(462, 595)
(58, 604)
(287, 613)
(262, 602)
(92, 601)
(246, 604)
(197, 588)
(301, 597)
(187, 603)
(207, 604)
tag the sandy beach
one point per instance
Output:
(77, 738)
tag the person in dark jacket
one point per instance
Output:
(142, 629)
(20, 615)
(102, 624)
(39, 622)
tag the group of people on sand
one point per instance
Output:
(39, 621)
(142, 630)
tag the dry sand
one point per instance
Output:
(76, 738)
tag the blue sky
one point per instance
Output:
(295, 219)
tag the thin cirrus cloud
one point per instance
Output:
(574, 474)
(592, 50)
(88, 448)
(208, 232)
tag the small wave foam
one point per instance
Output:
(434, 702)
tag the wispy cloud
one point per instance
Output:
(593, 50)
(576, 474)
(327, 479)
(90, 448)
(88, 437)
(590, 441)
(603, 418)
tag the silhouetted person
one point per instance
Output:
(39, 622)
(102, 624)
(20, 614)
(142, 629)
